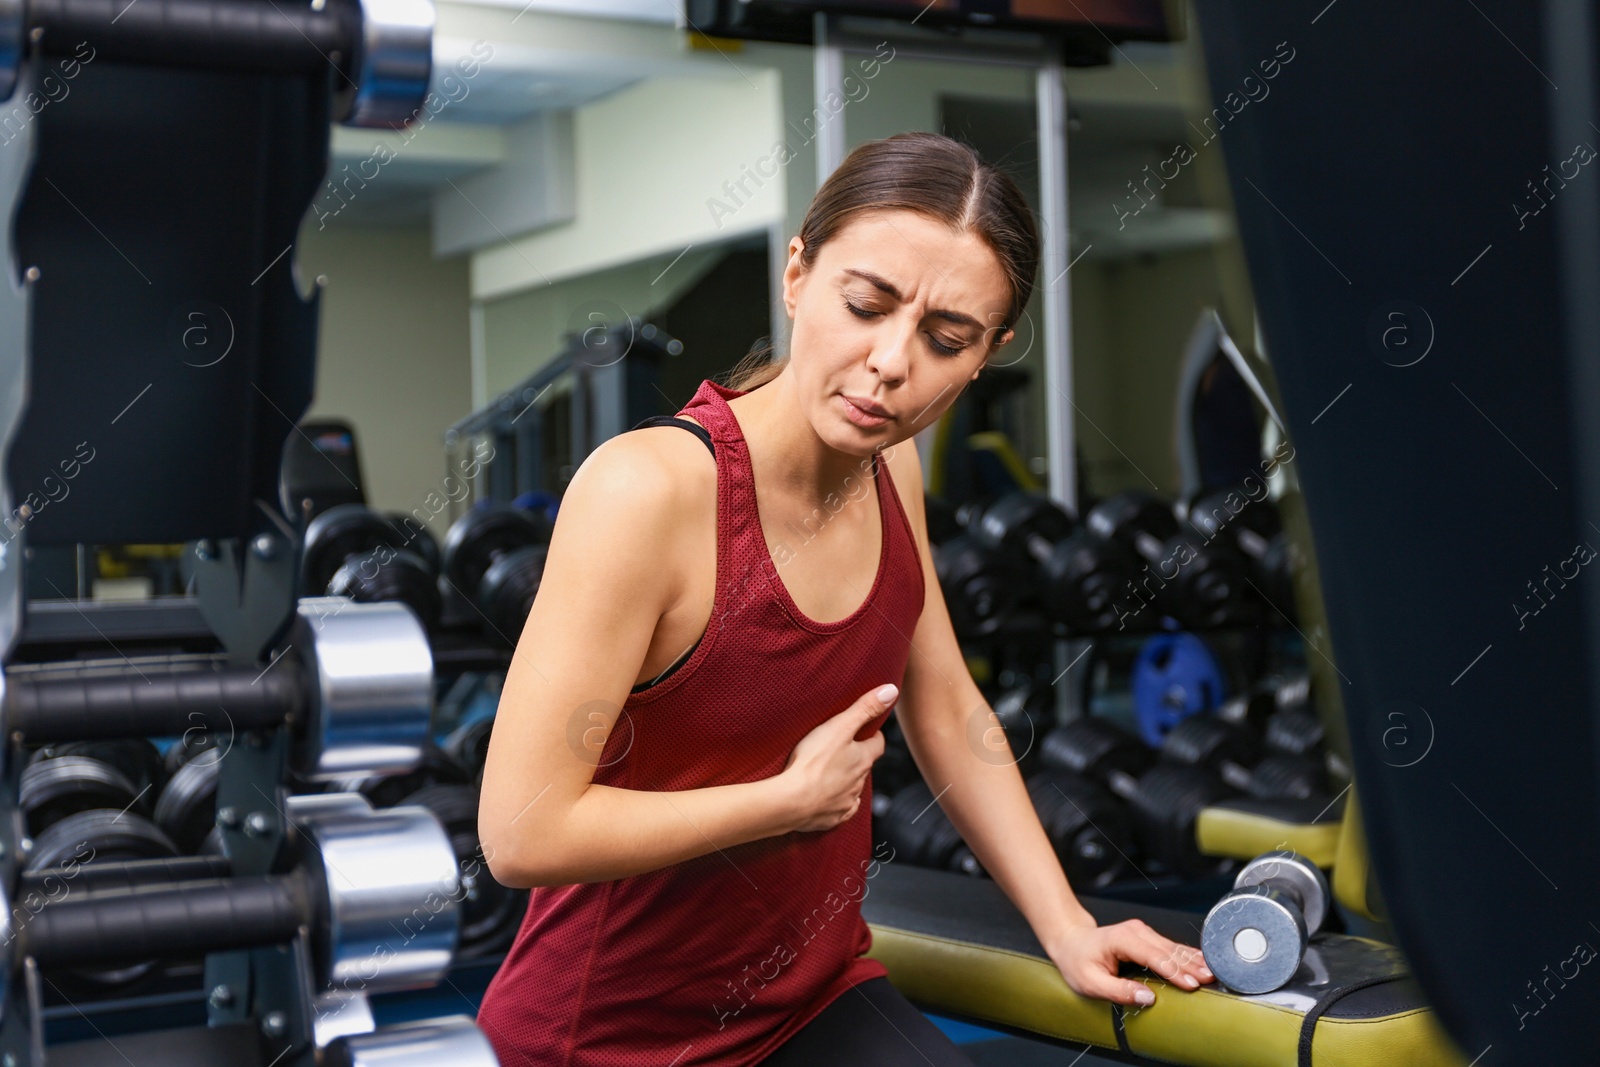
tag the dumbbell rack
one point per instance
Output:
(160, 374)
(1022, 642)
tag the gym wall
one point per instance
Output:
(642, 234)
(393, 355)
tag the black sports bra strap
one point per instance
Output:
(672, 420)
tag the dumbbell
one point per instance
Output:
(1087, 827)
(1277, 565)
(446, 783)
(351, 550)
(186, 810)
(1254, 938)
(419, 539)
(1234, 753)
(494, 557)
(1163, 799)
(351, 691)
(1199, 584)
(922, 834)
(894, 770)
(436, 767)
(1296, 732)
(361, 881)
(1079, 576)
(80, 809)
(1254, 530)
(1255, 707)
(55, 786)
(1026, 711)
(942, 522)
(454, 1040)
(490, 912)
(982, 588)
(468, 746)
(137, 758)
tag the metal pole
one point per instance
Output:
(827, 78)
(1054, 291)
(1056, 302)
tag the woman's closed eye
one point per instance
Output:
(948, 347)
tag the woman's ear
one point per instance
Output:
(997, 336)
(793, 273)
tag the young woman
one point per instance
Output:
(680, 766)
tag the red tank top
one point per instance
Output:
(722, 958)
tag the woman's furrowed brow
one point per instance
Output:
(886, 286)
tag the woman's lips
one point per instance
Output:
(865, 419)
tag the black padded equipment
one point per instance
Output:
(1383, 349)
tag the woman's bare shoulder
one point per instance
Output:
(648, 481)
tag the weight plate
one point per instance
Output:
(136, 757)
(102, 835)
(187, 809)
(1253, 940)
(387, 574)
(341, 531)
(1296, 875)
(419, 539)
(490, 912)
(52, 789)
(483, 534)
(1175, 675)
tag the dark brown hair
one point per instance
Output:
(930, 174)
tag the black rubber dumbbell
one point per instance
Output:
(1255, 937)
(1253, 529)
(894, 770)
(1086, 825)
(1296, 730)
(1164, 799)
(982, 588)
(186, 810)
(468, 746)
(922, 835)
(82, 810)
(137, 758)
(1078, 577)
(1027, 712)
(55, 786)
(1234, 753)
(494, 557)
(941, 518)
(351, 550)
(1199, 584)
(419, 539)
(490, 912)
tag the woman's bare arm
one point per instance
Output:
(541, 819)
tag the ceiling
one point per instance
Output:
(1117, 130)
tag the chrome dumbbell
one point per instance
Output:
(1255, 937)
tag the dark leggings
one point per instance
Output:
(869, 1025)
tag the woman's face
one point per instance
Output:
(897, 313)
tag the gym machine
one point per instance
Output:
(534, 435)
(156, 351)
(1384, 349)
